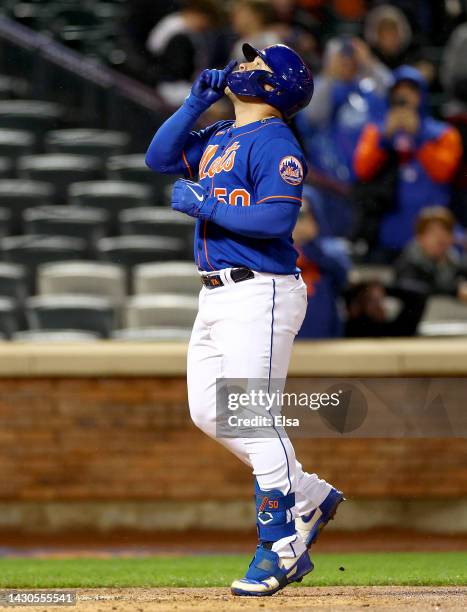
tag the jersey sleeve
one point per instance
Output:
(195, 145)
(278, 171)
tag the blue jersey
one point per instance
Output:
(253, 165)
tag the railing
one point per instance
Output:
(92, 94)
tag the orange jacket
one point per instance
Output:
(439, 157)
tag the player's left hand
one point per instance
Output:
(192, 199)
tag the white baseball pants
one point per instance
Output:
(246, 330)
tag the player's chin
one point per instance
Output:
(232, 96)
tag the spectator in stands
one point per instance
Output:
(388, 32)
(453, 75)
(348, 92)
(253, 21)
(299, 29)
(180, 46)
(424, 152)
(368, 317)
(453, 71)
(429, 264)
(325, 264)
(139, 18)
(390, 36)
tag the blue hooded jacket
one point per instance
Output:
(416, 188)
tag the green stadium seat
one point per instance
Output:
(16, 195)
(33, 250)
(30, 115)
(100, 143)
(90, 224)
(8, 317)
(167, 277)
(133, 168)
(130, 251)
(13, 281)
(71, 312)
(84, 278)
(60, 169)
(152, 334)
(55, 336)
(5, 220)
(153, 221)
(112, 196)
(16, 143)
(166, 310)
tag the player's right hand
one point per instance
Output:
(209, 86)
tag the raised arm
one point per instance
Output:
(175, 148)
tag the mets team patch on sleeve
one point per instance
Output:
(291, 170)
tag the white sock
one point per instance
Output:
(289, 547)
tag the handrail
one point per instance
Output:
(74, 62)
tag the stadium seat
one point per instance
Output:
(26, 13)
(7, 169)
(171, 277)
(13, 281)
(17, 195)
(129, 168)
(61, 170)
(134, 168)
(369, 272)
(82, 277)
(158, 222)
(442, 328)
(113, 196)
(8, 317)
(87, 223)
(15, 143)
(445, 308)
(12, 87)
(443, 316)
(75, 14)
(100, 143)
(33, 250)
(133, 250)
(71, 312)
(31, 115)
(5, 221)
(53, 335)
(152, 334)
(165, 310)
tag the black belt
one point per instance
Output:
(236, 274)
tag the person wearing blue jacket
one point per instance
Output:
(426, 153)
(349, 91)
(325, 264)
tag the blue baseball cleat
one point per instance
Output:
(310, 525)
(268, 573)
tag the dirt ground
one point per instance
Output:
(293, 599)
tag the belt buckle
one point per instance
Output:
(241, 274)
(212, 282)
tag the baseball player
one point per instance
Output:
(246, 201)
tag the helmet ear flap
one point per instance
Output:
(268, 78)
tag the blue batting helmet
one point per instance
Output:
(290, 79)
